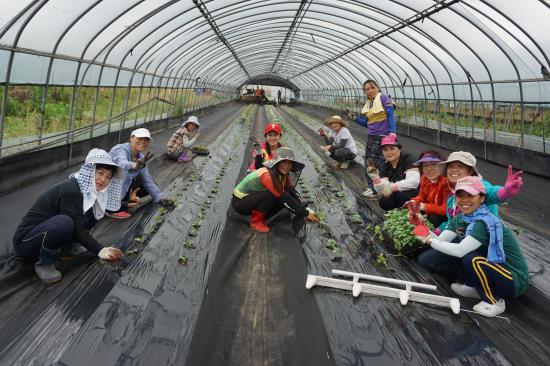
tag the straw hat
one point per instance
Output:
(285, 153)
(335, 119)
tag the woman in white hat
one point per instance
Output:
(183, 139)
(339, 144)
(67, 211)
(461, 164)
(267, 190)
(138, 182)
(488, 258)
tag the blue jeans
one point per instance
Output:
(438, 262)
(49, 237)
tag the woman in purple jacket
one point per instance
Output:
(377, 116)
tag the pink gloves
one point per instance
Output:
(512, 186)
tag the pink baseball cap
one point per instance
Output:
(389, 140)
(471, 184)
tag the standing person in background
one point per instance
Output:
(377, 115)
(339, 144)
(258, 94)
(138, 182)
(178, 147)
(279, 96)
(267, 150)
(66, 212)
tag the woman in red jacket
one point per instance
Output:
(267, 150)
(434, 189)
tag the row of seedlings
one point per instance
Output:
(189, 243)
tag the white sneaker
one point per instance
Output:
(370, 194)
(489, 310)
(327, 154)
(344, 165)
(464, 290)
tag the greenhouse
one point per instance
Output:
(246, 182)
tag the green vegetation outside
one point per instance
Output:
(24, 105)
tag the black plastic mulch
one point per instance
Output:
(38, 321)
(256, 310)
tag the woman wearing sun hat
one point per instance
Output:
(460, 164)
(490, 264)
(266, 150)
(67, 211)
(339, 144)
(181, 141)
(267, 190)
(434, 189)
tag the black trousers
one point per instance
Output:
(397, 199)
(260, 201)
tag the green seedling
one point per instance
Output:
(323, 225)
(197, 224)
(132, 252)
(356, 219)
(193, 232)
(381, 259)
(400, 230)
(337, 255)
(339, 194)
(182, 260)
(331, 244)
(189, 244)
(140, 239)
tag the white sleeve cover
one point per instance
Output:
(411, 181)
(458, 250)
(447, 235)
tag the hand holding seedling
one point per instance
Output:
(372, 171)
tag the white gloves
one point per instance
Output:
(110, 254)
(384, 188)
(372, 171)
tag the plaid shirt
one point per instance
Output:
(180, 140)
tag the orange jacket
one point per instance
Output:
(433, 195)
